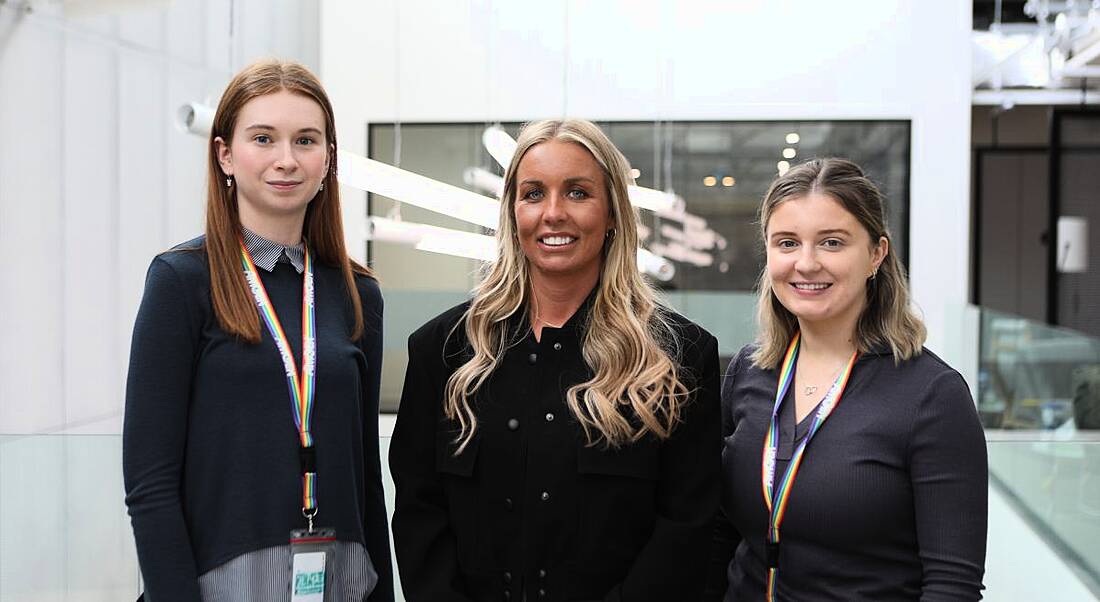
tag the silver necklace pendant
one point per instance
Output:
(810, 390)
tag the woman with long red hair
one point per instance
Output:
(250, 444)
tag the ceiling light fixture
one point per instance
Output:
(414, 189)
(783, 167)
(500, 145)
(789, 153)
(432, 238)
(679, 252)
(483, 180)
(710, 181)
(793, 138)
(728, 181)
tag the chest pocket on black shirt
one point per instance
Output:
(617, 499)
(464, 499)
(446, 461)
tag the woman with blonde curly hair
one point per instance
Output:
(558, 434)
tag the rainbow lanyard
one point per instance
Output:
(776, 498)
(301, 384)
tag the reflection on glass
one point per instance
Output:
(1036, 376)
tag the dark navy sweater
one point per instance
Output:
(210, 450)
(889, 503)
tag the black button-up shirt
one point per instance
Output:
(529, 508)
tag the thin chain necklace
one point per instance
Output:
(811, 389)
(539, 319)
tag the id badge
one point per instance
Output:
(314, 559)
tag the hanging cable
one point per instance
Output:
(395, 211)
(565, 61)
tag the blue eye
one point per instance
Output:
(262, 138)
(578, 194)
(534, 194)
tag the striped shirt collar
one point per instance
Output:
(266, 253)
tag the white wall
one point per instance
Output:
(95, 179)
(488, 60)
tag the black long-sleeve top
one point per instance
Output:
(889, 502)
(210, 449)
(528, 509)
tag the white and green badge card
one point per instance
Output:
(308, 583)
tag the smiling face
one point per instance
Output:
(278, 154)
(562, 212)
(819, 260)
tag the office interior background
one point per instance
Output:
(979, 120)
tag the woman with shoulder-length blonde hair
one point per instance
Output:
(250, 441)
(557, 437)
(854, 464)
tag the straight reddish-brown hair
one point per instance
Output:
(323, 228)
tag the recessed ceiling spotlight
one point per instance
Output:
(783, 166)
(793, 138)
(710, 181)
(728, 181)
(635, 173)
(789, 153)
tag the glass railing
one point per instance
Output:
(65, 535)
(1044, 517)
(1038, 394)
(64, 532)
(1032, 376)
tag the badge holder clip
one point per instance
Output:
(314, 558)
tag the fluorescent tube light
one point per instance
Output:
(484, 180)
(679, 252)
(432, 238)
(408, 187)
(655, 265)
(500, 145)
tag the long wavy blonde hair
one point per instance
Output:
(887, 318)
(628, 343)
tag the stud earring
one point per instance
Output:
(322, 187)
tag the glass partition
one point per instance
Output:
(1044, 517)
(1036, 376)
(1039, 399)
(64, 531)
